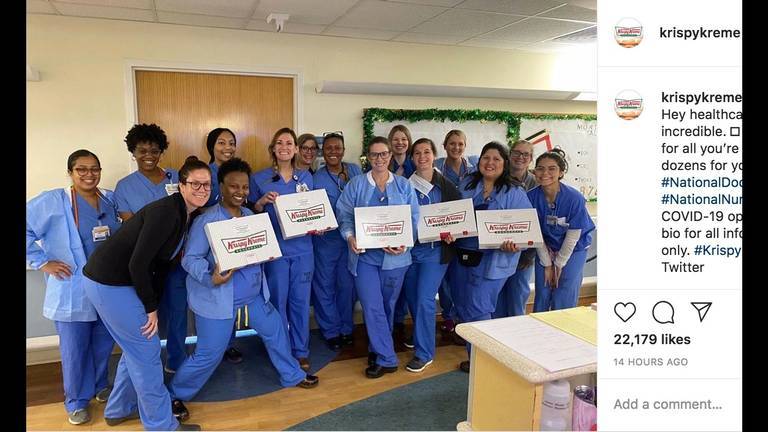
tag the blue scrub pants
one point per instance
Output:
(85, 348)
(474, 296)
(378, 291)
(212, 340)
(333, 289)
(401, 308)
(514, 295)
(566, 295)
(139, 379)
(172, 316)
(421, 284)
(290, 284)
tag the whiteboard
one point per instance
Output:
(578, 138)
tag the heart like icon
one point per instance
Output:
(625, 311)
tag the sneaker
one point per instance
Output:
(464, 366)
(447, 325)
(168, 370)
(116, 421)
(188, 427)
(417, 365)
(308, 382)
(179, 410)
(233, 355)
(378, 370)
(103, 395)
(79, 416)
(334, 343)
(408, 342)
(347, 340)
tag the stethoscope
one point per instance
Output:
(339, 184)
(76, 211)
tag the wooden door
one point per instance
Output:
(188, 105)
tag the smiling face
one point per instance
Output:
(224, 148)
(308, 151)
(520, 157)
(423, 156)
(399, 143)
(333, 152)
(379, 156)
(547, 172)
(234, 189)
(455, 147)
(147, 156)
(85, 174)
(285, 148)
(491, 164)
(196, 198)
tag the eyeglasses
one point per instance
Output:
(519, 154)
(152, 152)
(81, 171)
(375, 155)
(197, 185)
(308, 149)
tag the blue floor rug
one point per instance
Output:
(437, 403)
(254, 376)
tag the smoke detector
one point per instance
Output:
(279, 20)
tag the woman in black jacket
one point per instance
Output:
(124, 279)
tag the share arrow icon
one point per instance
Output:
(702, 308)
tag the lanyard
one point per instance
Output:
(75, 210)
(338, 183)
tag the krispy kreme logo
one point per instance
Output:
(628, 32)
(507, 227)
(445, 220)
(383, 229)
(247, 243)
(628, 104)
(307, 214)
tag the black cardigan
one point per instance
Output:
(139, 253)
(449, 192)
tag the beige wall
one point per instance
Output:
(80, 101)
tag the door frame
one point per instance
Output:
(131, 66)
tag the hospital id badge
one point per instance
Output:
(171, 188)
(302, 187)
(551, 220)
(100, 233)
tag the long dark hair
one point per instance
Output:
(211, 141)
(505, 179)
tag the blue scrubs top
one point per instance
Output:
(89, 218)
(375, 256)
(268, 180)
(568, 212)
(333, 185)
(215, 191)
(409, 167)
(468, 166)
(246, 284)
(135, 190)
(427, 252)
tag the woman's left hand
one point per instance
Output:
(150, 328)
(509, 246)
(395, 251)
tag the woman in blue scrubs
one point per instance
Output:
(430, 260)
(333, 286)
(150, 183)
(218, 298)
(221, 145)
(64, 226)
(567, 231)
(378, 273)
(514, 295)
(123, 280)
(290, 276)
(480, 273)
(453, 167)
(308, 148)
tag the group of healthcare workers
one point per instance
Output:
(109, 282)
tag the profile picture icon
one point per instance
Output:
(628, 104)
(628, 32)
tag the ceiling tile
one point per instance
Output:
(71, 9)
(429, 38)
(200, 20)
(360, 33)
(382, 15)
(536, 29)
(220, 8)
(551, 47)
(520, 7)
(465, 23)
(445, 3)
(492, 43)
(40, 7)
(573, 13)
(133, 4)
(304, 11)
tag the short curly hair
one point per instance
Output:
(149, 133)
(233, 165)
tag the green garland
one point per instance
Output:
(371, 115)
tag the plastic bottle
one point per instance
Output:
(555, 406)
